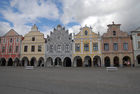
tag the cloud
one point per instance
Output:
(99, 13)
(4, 28)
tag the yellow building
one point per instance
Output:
(86, 48)
(33, 48)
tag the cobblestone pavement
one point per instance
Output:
(69, 81)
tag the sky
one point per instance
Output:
(20, 15)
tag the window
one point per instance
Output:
(86, 47)
(51, 48)
(3, 40)
(86, 32)
(10, 49)
(25, 48)
(32, 48)
(17, 40)
(16, 50)
(125, 46)
(59, 48)
(39, 48)
(0, 40)
(11, 40)
(67, 48)
(106, 46)
(33, 38)
(115, 46)
(77, 47)
(3, 49)
(138, 44)
(95, 46)
(114, 33)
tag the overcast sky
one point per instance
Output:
(47, 14)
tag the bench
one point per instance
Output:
(29, 67)
(111, 68)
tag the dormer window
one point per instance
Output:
(114, 33)
(86, 32)
(33, 38)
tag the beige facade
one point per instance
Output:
(33, 48)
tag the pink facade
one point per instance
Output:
(117, 47)
(10, 45)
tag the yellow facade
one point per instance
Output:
(33, 38)
(87, 37)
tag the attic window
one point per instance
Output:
(114, 33)
(11, 40)
(86, 32)
(33, 38)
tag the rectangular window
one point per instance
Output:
(125, 46)
(16, 50)
(67, 48)
(11, 40)
(86, 47)
(39, 48)
(106, 46)
(32, 48)
(77, 47)
(3, 40)
(59, 48)
(138, 44)
(10, 49)
(95, 46)
(33, 38)
(51, 48)
(17, 40)
(115, 46)
(25, 48)
(0, 40)
(3, 49)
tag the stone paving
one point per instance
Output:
(69, 81)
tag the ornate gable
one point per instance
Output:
(11, 32)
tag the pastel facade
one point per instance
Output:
(117, 49)
(136, 46)
(59, 48)
(33, 48)
(87, 48)
(10, 46)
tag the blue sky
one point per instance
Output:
(73, 14)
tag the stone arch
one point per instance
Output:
(10, 62)
(107, 61)
(58, 61)
(126, 61)
(25, 61)
(138, 59)
(87, 61)
(33, 61)
(97, 61)
(116, 61)
(3, 62)
(41, 62)
(67, 62)
(78, 61)
(17, 62)
(49, 62)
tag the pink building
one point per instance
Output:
(10, 45)
(117, 49)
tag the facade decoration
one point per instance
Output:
(33, 48)
(87, 48)
(117, 49)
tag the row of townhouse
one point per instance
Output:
(85, 49)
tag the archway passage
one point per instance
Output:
(97, 61)
(58, 61)
(41, 62)
(78, 61)
(116, 61)
(107, 61)
(126, 61)
(87, 61)
(33, 61)
(25, 61)
(17, 62)
(138, 59)
(10, 62)
(49, 62)
(3, 62)
(67, 62)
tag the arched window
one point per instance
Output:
(86, 32)
(114, 33)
